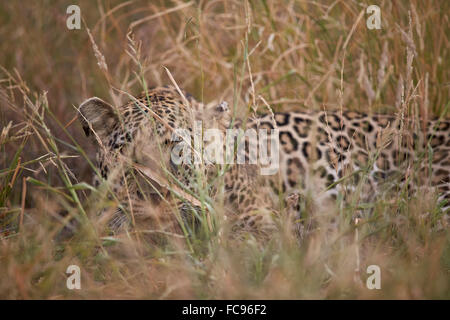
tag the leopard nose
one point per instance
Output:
(173, 165)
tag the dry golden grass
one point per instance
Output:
(290, 55)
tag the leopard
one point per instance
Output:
(323, 156)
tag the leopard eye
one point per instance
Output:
(222, 107)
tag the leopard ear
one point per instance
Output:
(98, 116)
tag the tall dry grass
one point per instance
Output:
(290, 55)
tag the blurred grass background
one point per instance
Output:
(302, 55)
